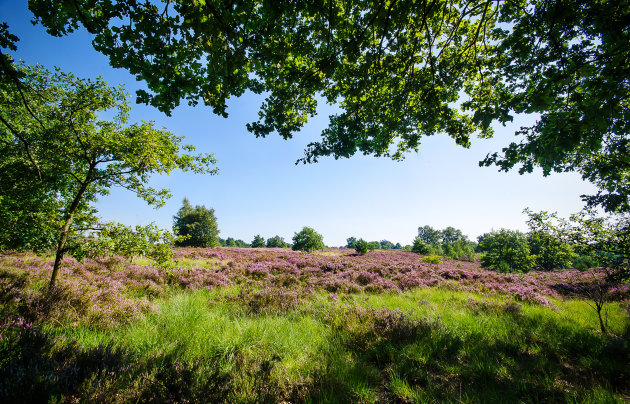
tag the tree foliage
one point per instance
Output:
(117, 239)
(276, 242)
(548, 248)
(429, 235)
(362, 247)
(421, 247)
(56, 150)
(197, 226)
(258, 242)
(605, 239)
(397, 70)
(506, 251)
(308, 240)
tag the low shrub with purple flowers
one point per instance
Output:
(275, 325)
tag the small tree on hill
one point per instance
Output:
(198, 225)
(429, 235)
(258, 242)
(308, 240)
(362, 247)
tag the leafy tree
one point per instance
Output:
(605, 240)
(351, 241)
(396, 70)
(118, 239)
(258, 242)
(241, 244)
(50, 126)
(398, 246)
(386, 245)
(361, 246)
(374, 245)
(548, 248)
(421, 247)
(197, 225)
(307, 240)
(429, 235)
(452, 235)
(276, 242)
(506, 251)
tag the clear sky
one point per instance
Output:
(260, 190)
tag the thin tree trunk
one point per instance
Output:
(60, 250)
(65, 230)
(601, 323)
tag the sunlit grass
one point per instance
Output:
(469, 348)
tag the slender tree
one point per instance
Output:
(49, 124)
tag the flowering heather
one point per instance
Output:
(274, 325)
(106, 291)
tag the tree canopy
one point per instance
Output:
(307, 240)
(398, 71)
(197, 224)
(57, 156)
(258, 241)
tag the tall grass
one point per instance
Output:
(423, 345)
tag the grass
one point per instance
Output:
(425, 345)
(255, 342)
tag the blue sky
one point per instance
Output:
(260, 190)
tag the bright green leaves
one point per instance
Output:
(398, 70)
(57, 157)
(568, 62)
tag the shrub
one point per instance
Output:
(276, 242)
(432, 259)
(550, 252)
(118, 239)
(361, 246)
(258, 242)
(584, 262)
(307, 240)
(420, 247)
(506, 251)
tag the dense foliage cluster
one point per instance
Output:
(308, 240)
(396, 70)
(57, 156)
(196, 227)
(450, 242)
(506, 251)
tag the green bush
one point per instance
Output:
(258, 242)
(584, 262)
(276, 242)
(550, 252)
(307, 240)
(420, 247)
(506, 251)
(432, 259)
(361, 246)
(198, 225)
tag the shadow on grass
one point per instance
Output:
(36, 367)
(403, 360)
